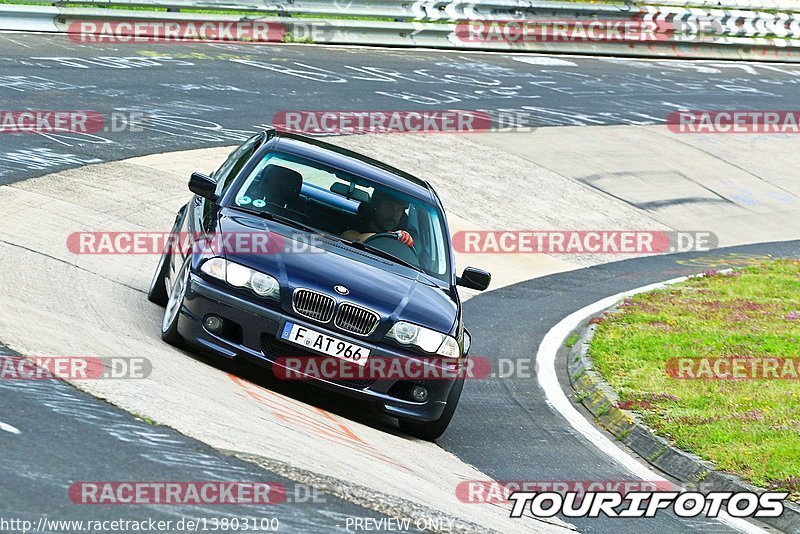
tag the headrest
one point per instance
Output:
(279, 184)
(381, 195)
(364, 209)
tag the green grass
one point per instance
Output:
(571, 340)
(748, 427)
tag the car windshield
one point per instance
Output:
(367, 215)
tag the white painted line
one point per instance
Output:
(543, 60)
(545, 361)
(9, 428)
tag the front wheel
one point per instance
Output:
(172, 311)
(157, 293)
(431, 430)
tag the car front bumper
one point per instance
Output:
(258, 341)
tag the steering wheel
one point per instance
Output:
(388, 242)
(388, 235)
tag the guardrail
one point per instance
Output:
(421, 10)
(685, 32)
(776, 5)
(433, 10)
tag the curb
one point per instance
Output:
(697, 474)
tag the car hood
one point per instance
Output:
(319, 263)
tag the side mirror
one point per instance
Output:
(474, 279)
(203, 185)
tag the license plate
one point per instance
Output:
(317, 341)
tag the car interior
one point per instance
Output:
(283, 191)
(335, 209)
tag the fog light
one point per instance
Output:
(419, 394)
(213, 323)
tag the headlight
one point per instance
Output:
(424, 338)
(263, 284)
(238, 275)
(405, 333)
(449, 348)
(215, 268)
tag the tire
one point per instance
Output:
(172, 309)
(157, 294)
(432, 430)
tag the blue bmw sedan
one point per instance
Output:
(301, 252)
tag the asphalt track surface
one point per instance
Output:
(66, 436)
(207, 95)
(215, 94)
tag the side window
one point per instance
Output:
(228, 170)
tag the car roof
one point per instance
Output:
(352, 162)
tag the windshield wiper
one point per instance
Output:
(378, 252)
(281, 219)
(381, 253)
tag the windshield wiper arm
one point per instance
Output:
(381, 253)
(283, 220)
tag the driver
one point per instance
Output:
(382, 216)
